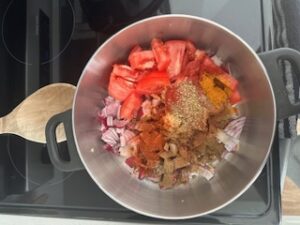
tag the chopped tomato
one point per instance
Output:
(192, 68)
(160, 53)
(209, 66)
(200, 55)
(235, 97)
(136, 48)
(153, 83)
(142, 60)
(119, 88)
(176, 50)
(228, 80)
(126, 72)
(130, 106)
(142, 173)
(133, 161)
(190, 50)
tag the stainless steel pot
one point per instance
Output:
(234, 175)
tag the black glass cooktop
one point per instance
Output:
(50, 41)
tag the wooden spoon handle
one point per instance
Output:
(1, 125)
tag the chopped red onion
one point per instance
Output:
(109, 100)
(120, 130)
(111, 109)
(207, 172)
(120, 123)
(110, 136)
(229, 142)
(122, 141)
(103, 127)
(235, 127)
(119, 113)
(108, 147)
(125, 137)
(110, 121)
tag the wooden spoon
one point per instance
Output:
(30, 117)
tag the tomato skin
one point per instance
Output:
(228, 80)
(153, 83)
(119, 88)
(190, 50)
(176, 51)
(130, 106)
(135, 48)
(141, 60)
(125, 72)
(235, 97)
(160, 54)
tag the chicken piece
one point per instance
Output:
(168, 166)
(167, 155)
(167, 181)
(184, 153)
(180, 162)
(144, 126)
(199, 139)
(184, 175)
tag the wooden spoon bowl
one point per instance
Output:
(30, 117)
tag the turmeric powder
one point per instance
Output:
(215, 94)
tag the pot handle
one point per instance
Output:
(66, 166)
(271, 61)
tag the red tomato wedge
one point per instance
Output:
(176, 50)
(141, 60)
(160, 54)
(133, 161)
(190, 50)
(119, 88)
(209, 66)
(235, 97)
(136, 48)
(130, 106)
(228, 80)
(153, 83)
(125, 72)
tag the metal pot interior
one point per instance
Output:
(234, 174)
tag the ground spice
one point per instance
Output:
(215, 94)
(188, 107)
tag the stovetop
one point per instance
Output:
(48, 41)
